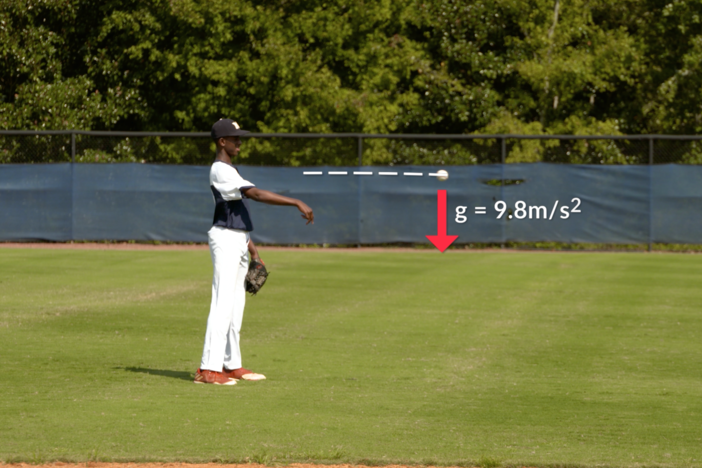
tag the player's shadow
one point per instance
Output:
(160, 372)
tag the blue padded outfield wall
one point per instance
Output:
(617, 204)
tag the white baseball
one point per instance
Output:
(442, 175)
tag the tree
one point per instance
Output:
(41, 84)
(414, 66)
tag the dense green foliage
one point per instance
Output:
(483, 358)
(436, 66)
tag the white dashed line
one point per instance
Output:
(369, 173)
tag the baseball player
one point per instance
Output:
(230, 246)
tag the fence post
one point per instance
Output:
(503, 150)
(73, 147)
(360, 150)
(503, 158)
(73, 184)
(360, 213)
(650, 194)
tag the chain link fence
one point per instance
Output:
(346, 149)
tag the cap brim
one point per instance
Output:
(232, 132)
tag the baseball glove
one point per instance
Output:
(255, 277)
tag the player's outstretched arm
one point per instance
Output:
(270, 198)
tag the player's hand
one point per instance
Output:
(256, 258)
(306, 212)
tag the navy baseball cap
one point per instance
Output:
(226, 127)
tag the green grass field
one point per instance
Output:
(484, 358)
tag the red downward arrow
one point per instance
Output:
(441, 241)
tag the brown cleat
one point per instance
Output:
(212, 377)
(242, 374)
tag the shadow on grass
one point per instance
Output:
(160, 372)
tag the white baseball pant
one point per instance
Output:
(230, 260)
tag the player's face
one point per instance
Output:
(232, 145)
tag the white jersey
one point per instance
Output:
(231, 208)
